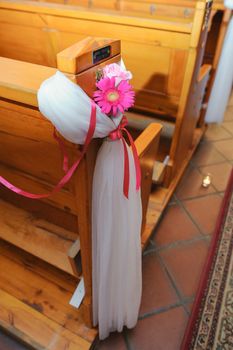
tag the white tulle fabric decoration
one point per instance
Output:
(68, 108)
(224, 78)
(116, 243)
(116, 220)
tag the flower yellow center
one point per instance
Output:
(112, 96)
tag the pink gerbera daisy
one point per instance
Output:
(111, 98)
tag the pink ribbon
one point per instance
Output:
(69, 172)
(65, 166)
(114, 135)
(118, 135)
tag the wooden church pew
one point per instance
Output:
(164, 51)
(46, 244)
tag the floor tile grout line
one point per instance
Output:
(202, 235)
(200, 172)
(182, 299)
(229, 121)
(199, 196)
(198, 168)
(180, 243)
(219, 140)
(190, 216)
(213, 143)
(171, 278)
(154, 248)
(185, 306)
(177, 244)
(166, 308)
(188, 311)
(127, 341)
(220, 151)
(227, 137)
(160, 310)
(148, 252)
(154, 232)
(219, 193)
(204, 142)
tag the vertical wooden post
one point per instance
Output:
(217, 54)
(185, 125)
(77, 62)
(68, 62)
(83, 182)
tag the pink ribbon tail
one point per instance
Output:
(116, 135)
(136, 160)
(63, 151)
(69, 172)
(126, 170)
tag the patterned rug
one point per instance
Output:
(211, 323)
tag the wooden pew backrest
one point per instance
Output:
(154, 47)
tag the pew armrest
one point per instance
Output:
(146, 145)
(150, 135)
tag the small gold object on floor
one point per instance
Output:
(206, 180)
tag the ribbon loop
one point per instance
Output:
(117, 134)
(68, 172)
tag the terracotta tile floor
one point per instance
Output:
(173, 260)
(175, 255)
